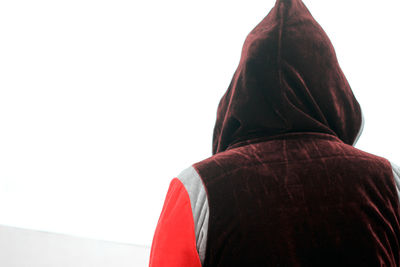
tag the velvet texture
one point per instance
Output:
(288, 80)
(285, 187)
(301, 199)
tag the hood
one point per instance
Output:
(288, 80)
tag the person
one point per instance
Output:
(285, 185)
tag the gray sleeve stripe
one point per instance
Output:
(396, 175)
(200, 210)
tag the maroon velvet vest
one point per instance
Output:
(302, 199)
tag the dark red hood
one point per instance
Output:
(288, 80)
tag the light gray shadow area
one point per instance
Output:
(29, 248)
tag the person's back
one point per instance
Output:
(285, 186)
(304, 199)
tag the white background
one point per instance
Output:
(103, 102)
(30, 248)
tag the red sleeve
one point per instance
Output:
(174, 242)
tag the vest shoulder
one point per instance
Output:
(300, 150)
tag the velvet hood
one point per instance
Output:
(288, 80)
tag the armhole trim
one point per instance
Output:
(396, 175)
(200, 209)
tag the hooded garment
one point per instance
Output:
(285, 186)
